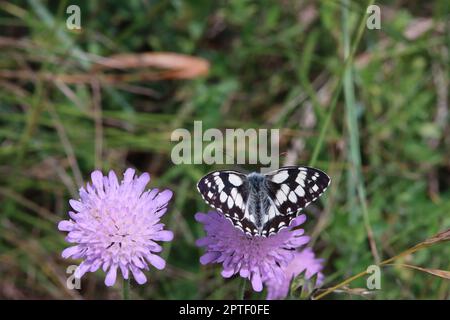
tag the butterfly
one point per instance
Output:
(263, 204)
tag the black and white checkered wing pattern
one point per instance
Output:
(227, 192)
(291, 189)
(262, 205)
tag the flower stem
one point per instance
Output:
(242, 289)
(126, 289)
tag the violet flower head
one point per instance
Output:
(116, 225)
(256, 258)
(303, 262)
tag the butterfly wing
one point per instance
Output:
(291, 189)
(227, 192)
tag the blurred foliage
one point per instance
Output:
(274, 64)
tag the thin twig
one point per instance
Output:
(68, 148)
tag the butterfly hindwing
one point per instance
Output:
(227, 192)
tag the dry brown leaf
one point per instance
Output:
(150, 66)
(176, 66)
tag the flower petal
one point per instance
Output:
(111, 276)
(257, 282)
(76, 205)
(227, 273)
(65, 225)
(141, 182)
(201, 217)
(164, 196)
(128, 175)
(158, 262)
(209, 257)
(82, 269)
(164, 235)
(68, 252)
(113, 182)
(125, 271)
(97, 179)
(139, 276)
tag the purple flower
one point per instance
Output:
(304, 261)
(256, 258)
(115, 225)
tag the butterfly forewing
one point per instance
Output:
(227, 192)
(292, 189)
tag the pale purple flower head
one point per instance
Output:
(303, 262)
(256, 258)
(116, 225)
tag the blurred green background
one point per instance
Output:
(378, 125)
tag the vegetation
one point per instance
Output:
(369, 107)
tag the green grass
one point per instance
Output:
(370, 107)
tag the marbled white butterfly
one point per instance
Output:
(263, 204)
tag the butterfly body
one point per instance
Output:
(258, 200)
(262, 204)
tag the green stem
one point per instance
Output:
(242, 289)
(126, 289)
(334, 99)
(356, 183)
